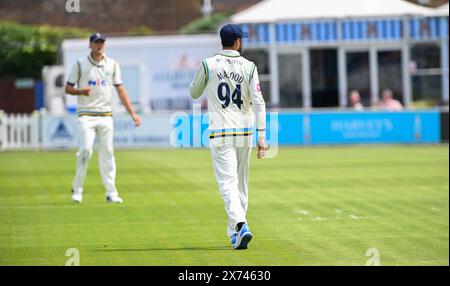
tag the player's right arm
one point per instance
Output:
(70, 89)
(197, 86)
(72, 80)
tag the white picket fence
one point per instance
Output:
(19, 131)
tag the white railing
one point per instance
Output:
(19, 131)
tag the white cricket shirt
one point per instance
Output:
(233, 91)
(101, 77)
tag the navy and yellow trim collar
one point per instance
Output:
(95, 63)
(230, 53)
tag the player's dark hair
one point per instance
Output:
(228, 44)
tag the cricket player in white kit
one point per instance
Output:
(233, 91)
(94, 78)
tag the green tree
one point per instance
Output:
(141, 31)
(26, 49)
(205, 24)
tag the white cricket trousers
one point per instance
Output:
(100, 127)
(231, 168)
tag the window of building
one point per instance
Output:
(358, 75)
(324, 78)
(390, 73)
(290, 78)
(426, 73)
(261, 59)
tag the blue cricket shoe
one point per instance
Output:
(233, 238)
(243, 237)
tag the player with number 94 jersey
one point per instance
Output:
(234, 101)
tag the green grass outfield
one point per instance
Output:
(308, 206)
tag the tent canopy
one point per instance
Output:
(443, 10)
(444, 7)
(279, 10)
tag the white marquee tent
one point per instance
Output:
(279, 10)
(443, 10)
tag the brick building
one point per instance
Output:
(115, 16)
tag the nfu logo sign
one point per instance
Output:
(97, 82)
(73, 6)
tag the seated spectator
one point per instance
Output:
(388, 102)
(355, 100)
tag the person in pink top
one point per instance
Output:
(388, 102)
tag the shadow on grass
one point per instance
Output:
(168, 248)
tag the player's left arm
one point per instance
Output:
(259, 109)
(123, 94)
(125, 99)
